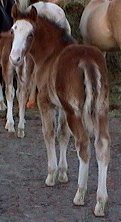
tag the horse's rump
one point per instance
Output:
(95, 25)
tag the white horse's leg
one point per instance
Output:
(103, 155)
(2, 104)
(63, 136)
(48, 122)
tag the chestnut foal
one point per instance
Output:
(73, 78)
(26, 85)
(24, 82)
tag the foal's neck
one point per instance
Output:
(49, 39)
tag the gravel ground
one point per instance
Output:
(24, 197)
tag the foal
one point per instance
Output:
(74, 79)
(25, 86)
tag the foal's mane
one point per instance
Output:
(57, 27)
(42, 20)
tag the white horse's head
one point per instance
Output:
(23, 33)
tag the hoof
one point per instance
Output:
(79, 197)
(31, 104)
(99, 209)
(51, 179)
(2, 106)
(10, 127)
(21, 133)
(62, 177)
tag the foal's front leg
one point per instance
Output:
(22, 98)
(47, 112)
(7, 70)
(10, 92)
(24, 79)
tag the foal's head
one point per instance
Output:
(23, 34)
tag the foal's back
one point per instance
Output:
(86, 62)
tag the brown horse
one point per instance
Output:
(100, 24)
(74, 79)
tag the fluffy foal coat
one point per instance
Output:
(25, 83)
(73, 78)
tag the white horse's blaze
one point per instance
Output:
(21, 30)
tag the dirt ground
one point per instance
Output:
(24, 197)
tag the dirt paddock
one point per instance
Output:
(24, 197)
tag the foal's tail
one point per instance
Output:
(94, 96)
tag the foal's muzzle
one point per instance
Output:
(16, 59)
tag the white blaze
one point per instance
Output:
(21, 30)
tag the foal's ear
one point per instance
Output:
(33, 13)
(15, 12)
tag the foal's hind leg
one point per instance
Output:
(47, 112)
(63, 136)
(82, 146)
(102, 140)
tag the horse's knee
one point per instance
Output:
(10, 92)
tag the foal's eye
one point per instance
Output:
(11, 31)
(30, 36)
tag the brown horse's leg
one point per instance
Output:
(47, 112)
(82, 146)
(63, 136)
(102, 141)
